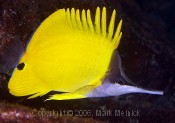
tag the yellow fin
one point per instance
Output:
(78, 94)
(23, 82)
(89, 20)
(117, 35)
(66, 96)
(103, 22)
(111, 25)
(71, 23)
(97, 20)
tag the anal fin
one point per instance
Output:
(78, 94)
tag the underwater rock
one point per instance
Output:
(21, 114)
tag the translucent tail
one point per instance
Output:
(108, 89)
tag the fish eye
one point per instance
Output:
(20, 66)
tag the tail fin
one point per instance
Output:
(108, 89)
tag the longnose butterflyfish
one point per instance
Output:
(70, 53)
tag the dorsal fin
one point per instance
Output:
(84, 23)
(69, 21)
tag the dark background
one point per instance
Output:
(146, 49)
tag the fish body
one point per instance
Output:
(69, 62)
(68, 53)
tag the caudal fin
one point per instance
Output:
(109, 89)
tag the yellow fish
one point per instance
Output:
(70, 53)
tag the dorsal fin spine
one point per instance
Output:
(68, 17)
(118, 34)
(85, 26)
(89, 20)
(118, 40)
(73, 18)
(111, 25)
(117, 31)
(84, 22)
(78, 19)
(97, 20)
(103, 22)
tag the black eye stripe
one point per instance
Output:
(20, 66)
